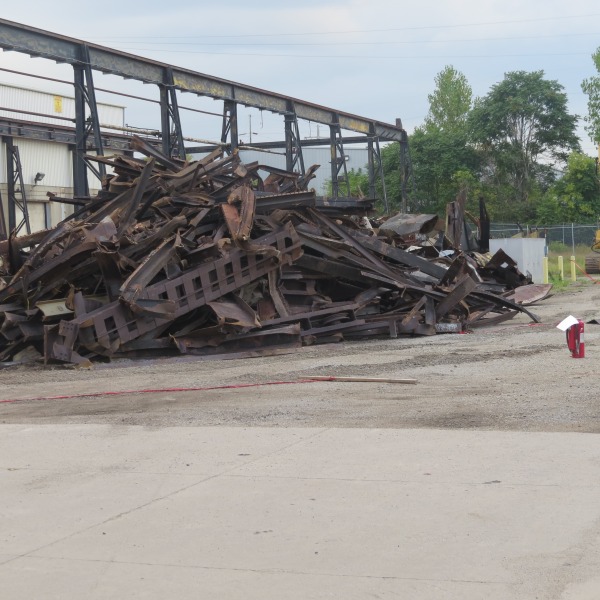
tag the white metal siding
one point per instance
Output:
(37, 217)
(50, 158)
(53, 159)
(528, 253)
(51, 104)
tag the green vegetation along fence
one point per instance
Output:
(569, 234)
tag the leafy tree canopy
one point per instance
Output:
(450, 102)
(591, 87)
(438, 157)
(358, 180)
(522, 126)
(575, 197)
(440, 147)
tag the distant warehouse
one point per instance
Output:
(356, 158)
(40, 125)
(28, 119)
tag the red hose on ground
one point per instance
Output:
(156, 391)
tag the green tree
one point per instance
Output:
(442, 158)
(450, 102)
(591, 87)
(390, 160)
(575, 197)
(442, 162)
(359, 184)
(522, 128)
(440, 148)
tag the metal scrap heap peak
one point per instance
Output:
(218, 257)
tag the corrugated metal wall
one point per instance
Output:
(52, 105)
(56, 163)
(52, 159)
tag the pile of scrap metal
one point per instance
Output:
(211, 258)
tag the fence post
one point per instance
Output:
(561, 268)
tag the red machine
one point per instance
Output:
(575, 340)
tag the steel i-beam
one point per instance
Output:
(17, 197)
(87, 124)
(405, 168)
(172, 133)
(229, 131)
(293, 148)
(338, 160)
(375, 167)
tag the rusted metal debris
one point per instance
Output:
(210, 257)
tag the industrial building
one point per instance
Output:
(86, 126)
(47, 166)
(46, 161)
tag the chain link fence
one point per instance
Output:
(569, 234)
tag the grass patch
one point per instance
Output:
(558, 284)
(556, 249)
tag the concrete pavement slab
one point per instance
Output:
(8, 557)
(297, 513)
(441, 456)
(368, 529)
(101, 580)
(40, 507)
(59, 481)
(137, 449)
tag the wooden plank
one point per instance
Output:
(360, 379)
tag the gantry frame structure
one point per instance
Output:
(87, 58)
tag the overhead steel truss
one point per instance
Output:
(86, 58)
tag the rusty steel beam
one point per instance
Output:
(115, 324)
(397, 254)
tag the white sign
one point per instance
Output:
(568, 322)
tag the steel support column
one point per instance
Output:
(3, 227)
(375, 167)
(172, 134)
(87, 124)
(371, 167)
(229, 131)
(17, 197)
(338, 160)
(405, 168)
(293, 149)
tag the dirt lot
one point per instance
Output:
(515, 376)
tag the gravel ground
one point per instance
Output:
(513, 376)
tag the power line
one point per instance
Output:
(364, 57)
(418, 28)
(379, 43)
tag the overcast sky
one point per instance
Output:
(376, 58)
